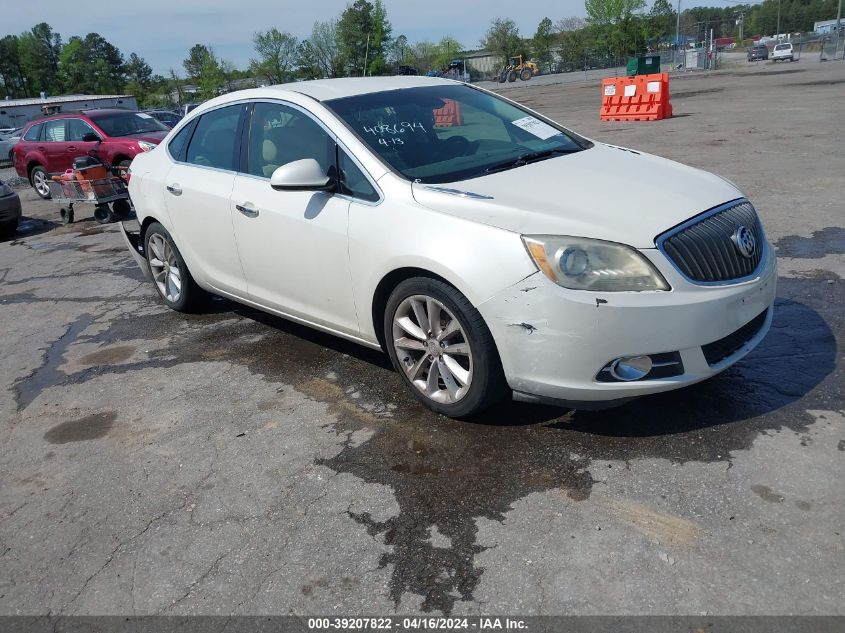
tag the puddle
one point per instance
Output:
(828, 241)
(91, 427)
(108, 355)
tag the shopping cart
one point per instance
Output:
(101, 192)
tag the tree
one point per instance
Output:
(662, 18)
(139, 77)
(503, 39)
(543, 41)
(277, 55)
(38, 54)
(195, 60)
(363, 33)
(572, 23)
(11, 73)
(321, 51)
(447, 49)
(91, 65)
(615, 22)
(211, 79)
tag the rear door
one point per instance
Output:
(197, 191)
(55, 146)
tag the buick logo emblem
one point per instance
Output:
(745, 242)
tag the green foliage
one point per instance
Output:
(503, 39)
(319, 55)
(542, 43)
(363, 35)
(38, 54)
(277, 56)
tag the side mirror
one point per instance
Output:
(301, 175)
(91, 137)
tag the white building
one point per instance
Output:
(826, 26)
(15, 113)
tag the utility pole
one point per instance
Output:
(838, 30)
(367, 54)
(678, 31)
(777, 31)
(740, 21)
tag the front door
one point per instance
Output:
(197, 194)
(293, 244)
(56, 145)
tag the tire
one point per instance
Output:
(526, 74)
(11, 156)
(39, 178)
(512, 76)
(475, 378)
(66, 215)
(179, 292)
(121, 209)
(103, 214)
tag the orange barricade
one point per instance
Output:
(639, 98)
(449, 115)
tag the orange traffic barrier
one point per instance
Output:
(639, 98)
(449, 115)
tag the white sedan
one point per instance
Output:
(488, 250)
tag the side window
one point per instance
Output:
(54, 130)
(353, 182)
(33, 133)
(213, 142)
(176, 147)
(279, 134)
(77, 129)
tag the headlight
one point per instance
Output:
(146, 147)
(583, 264)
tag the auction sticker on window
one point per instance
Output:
(536, 127)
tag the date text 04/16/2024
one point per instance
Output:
(416, 623)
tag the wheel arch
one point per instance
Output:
(388, 283)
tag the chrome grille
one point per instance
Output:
(703, 249)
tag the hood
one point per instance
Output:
(605, 192)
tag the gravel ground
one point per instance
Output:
(234, 463)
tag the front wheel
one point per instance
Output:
(40, 181)
(440, 345)
(171, 276)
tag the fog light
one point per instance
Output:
(632, 368)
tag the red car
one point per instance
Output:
(49, 145)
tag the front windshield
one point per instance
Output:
(437, 134)
(128, 123)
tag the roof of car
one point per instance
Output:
(326, 89)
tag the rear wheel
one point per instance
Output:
(440, 345)
(39, 180)
(525, 74)
(171, 276)
(512, 76)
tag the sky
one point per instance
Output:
(162, 31)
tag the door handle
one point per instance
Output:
(175, 190)
(247, 211)
(72, 148)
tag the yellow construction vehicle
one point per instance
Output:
(518, 68)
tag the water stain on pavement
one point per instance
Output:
(828, 241)
(446, 474)
(109, 355)
(91, 427)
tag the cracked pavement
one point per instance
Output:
(235, 463)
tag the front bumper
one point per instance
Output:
(553, 342)
(10, 208)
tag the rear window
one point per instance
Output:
(33, 133)
(783, 47)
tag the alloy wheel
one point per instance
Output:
(165, 268)
(432, 348)
(39, 181)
